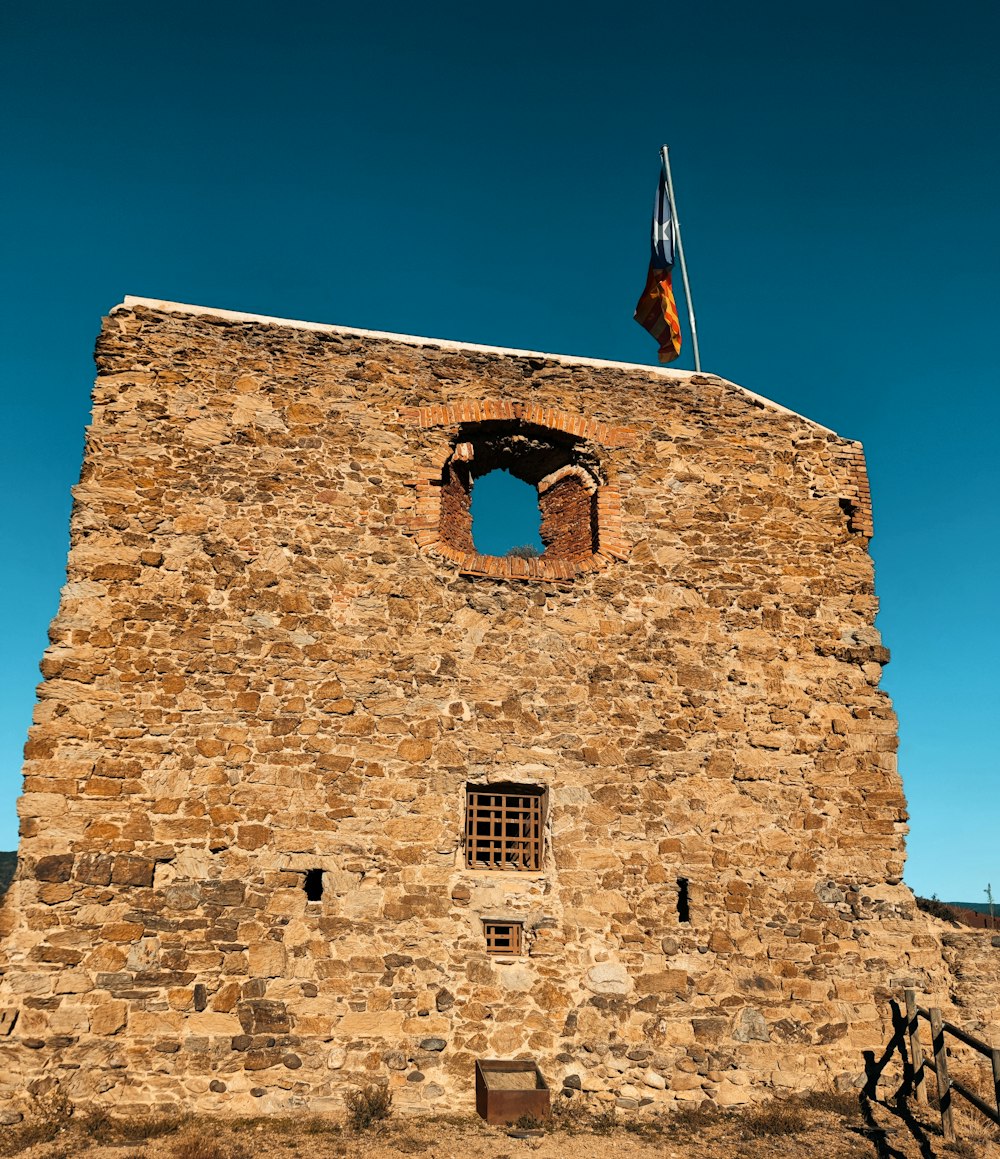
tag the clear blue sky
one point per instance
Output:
(485, 173)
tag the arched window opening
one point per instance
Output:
(506, 518)
(524, 488)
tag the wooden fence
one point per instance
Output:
(939, 1050)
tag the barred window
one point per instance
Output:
(503, 826)
(502, 937)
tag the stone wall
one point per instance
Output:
(973, 960)
(270, 658)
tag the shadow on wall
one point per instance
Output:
(8, 863)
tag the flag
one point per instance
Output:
(656, 310)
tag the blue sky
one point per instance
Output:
(485, 173)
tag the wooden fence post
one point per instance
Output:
(941, 1068)
(995, 1059)
(916, 1050)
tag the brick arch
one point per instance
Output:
(558, 453)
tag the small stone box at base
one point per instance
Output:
(506, 1091)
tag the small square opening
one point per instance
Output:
(503, 937)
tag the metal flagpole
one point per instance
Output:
(665, 158)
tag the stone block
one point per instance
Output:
(212, 1024)
(136, 871)
(608, 978)
(55, 867)
(263, 1016)
(108, 1017)
(268, 960)
(680, 1081)
(222, 893)
(749, 1026)
(732, 1095)
(664, 982)
(94, 868)
(709, 1029)
(382, 1024)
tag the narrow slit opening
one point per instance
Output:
(683, 901)
(313, 884)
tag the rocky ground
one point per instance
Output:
(817, 1127)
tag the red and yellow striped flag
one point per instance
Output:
(656, 310)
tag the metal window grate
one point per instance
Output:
(503, 827)
(502, 937)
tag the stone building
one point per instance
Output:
(317, 795)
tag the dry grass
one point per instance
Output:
(101, 1127)
(205, 1146)
(774, 1118)
(49, 1117)
(822, 1125)
(411, 1144)
(52, 1120)
(368, 1106)
(831, 1102)
(689, 1122)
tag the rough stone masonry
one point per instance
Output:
(317, 795)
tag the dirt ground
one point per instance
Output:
(828, 1127)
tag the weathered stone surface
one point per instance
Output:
(268, 960)
(108, 1017)
(132, 871)
(262, 1016)
(57, 867)
(387, 1024)
(278, 662)
(750, 1025)
(730, 1095)
(608, 978)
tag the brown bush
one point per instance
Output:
(773, 1118)
(49, 1116)
(105, 1128)
(368, 1106)
(833, 1102)
(203, 1146)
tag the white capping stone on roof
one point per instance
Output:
(131, 301)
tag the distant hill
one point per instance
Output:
(8, 863)
(974, 914)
